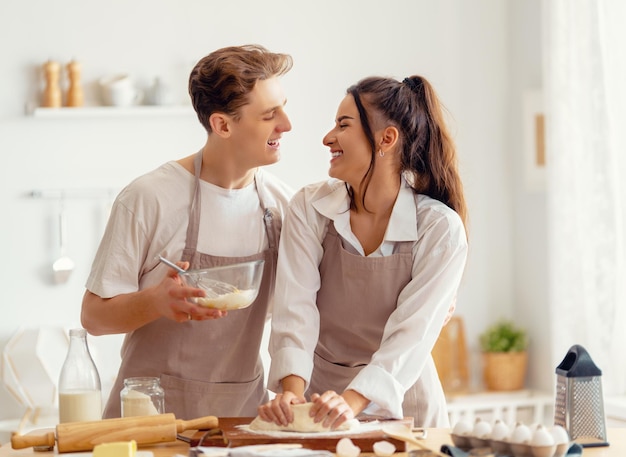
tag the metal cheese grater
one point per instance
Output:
(579, 406)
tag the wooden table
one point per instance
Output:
(436, 437)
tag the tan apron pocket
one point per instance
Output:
(330, 376)
(189, 399)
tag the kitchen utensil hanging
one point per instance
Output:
(62, 266)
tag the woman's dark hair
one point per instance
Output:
(428, 154)
(221, 81)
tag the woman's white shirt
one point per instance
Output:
(439, 256)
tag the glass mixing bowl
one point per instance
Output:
(227, 287)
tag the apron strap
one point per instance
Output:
(196, 204)
(271, 216)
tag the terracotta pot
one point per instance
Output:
(504, 370)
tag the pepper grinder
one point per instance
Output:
(74, 90)
(52, 91)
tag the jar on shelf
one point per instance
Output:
(142, 396)
(80, 397)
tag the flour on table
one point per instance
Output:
(302, 422)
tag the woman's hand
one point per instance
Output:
(179, 306)
(278, 410)
(331, 409)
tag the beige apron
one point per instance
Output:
(359, 294)
(208, 367)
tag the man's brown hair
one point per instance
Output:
(221, 81)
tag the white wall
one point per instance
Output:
(528, 206)
(480, 55)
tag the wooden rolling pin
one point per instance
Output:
(83, 436)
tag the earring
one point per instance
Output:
(381, 153)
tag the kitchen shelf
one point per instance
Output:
(112, 112)
(511, 406)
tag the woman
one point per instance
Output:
(369, 263)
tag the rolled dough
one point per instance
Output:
(302, 422)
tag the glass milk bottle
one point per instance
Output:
(80, 397)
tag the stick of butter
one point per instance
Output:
(116, 449)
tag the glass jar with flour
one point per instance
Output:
(142, 396)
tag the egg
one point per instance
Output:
(462, 427)
(461, 434)
(562, 440)
(521, 433)
(346, 448)
(559, 434)
(480, 433)
(500, 431)
(542, 437)
(383, 448)
(482, 429)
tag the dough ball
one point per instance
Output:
(302, 422)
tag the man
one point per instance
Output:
(215, 207)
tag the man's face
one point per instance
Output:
(256, 135)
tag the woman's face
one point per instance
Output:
(349, 147)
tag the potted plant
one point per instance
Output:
(505, 357)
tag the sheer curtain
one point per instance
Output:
(585, 102)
